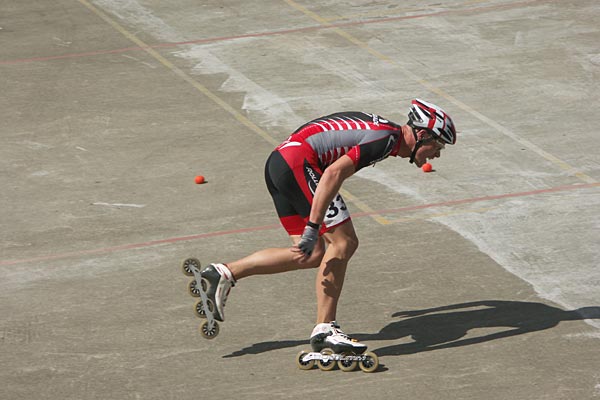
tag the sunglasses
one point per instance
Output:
(441, 144)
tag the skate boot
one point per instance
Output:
(331, 347)
(220, 281)
(331, 336)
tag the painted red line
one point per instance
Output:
(275, 226)
(138, 245)
(352, 23)
(73, 55)
(279, 32)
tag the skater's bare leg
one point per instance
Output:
(341, 245)
(276, 260)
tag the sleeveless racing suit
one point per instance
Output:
(294, 168)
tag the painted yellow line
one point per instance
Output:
(177, 71)
(432, 88)
(444, 214)
(364, 207)
(201, 88)
(507, 132)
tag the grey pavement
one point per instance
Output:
(480, 280)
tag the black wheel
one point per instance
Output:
(187, 264)
(209, 333)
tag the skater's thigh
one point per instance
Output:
(291, 196)
(342, 234)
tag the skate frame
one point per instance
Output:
(313, 355)
(209, 315)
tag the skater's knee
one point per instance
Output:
(354, 244)
(345, 245)
(343, 238)
(348, 246)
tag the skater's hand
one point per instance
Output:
(308, 240)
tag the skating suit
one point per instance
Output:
(293, 170)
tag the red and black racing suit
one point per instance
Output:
(294, 168)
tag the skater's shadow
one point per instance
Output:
(471, 323)
(454, 326)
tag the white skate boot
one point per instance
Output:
(220, 281)
(331, 347)
(330, 335)
(212, 286)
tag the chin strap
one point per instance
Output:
(418, 144)
(414, 152)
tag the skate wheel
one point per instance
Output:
(209, 333)
(187, 264)
(371, 362)
(347, 365)
(193, 288)
(200, 310)
(305, 365)
(329, 363)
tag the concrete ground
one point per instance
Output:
(478, 280)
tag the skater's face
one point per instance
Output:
(430, 149)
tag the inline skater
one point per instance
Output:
(303, 175)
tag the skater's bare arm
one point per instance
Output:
(329, 185)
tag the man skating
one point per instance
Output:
(304, 175)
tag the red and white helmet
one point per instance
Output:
(428, 116)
